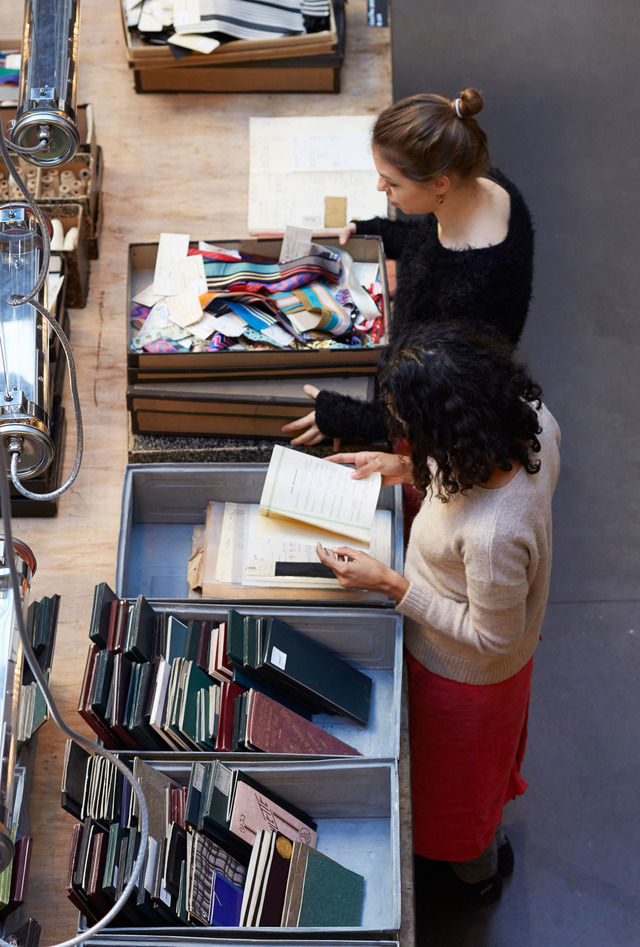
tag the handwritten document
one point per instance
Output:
(296, 162)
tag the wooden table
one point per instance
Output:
(172, 162)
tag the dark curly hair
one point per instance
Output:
(463, 404)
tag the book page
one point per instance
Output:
(323, 494)
(272, 542)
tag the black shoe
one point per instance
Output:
(505, 858)
(482, 892)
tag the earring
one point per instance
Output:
(439, 198)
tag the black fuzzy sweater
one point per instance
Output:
(487, 286)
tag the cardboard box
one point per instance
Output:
(294, 75)
(151, 367)
(163, 503)
(315, 72)
(76, 260)
(143, 55)
(235, 408)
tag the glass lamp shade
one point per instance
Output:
(24, 344)
(48, 81)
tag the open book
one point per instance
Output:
(319, 493)
(271, 546)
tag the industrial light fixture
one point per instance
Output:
(46, 121)
(24, 344)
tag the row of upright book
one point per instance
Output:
(265, 735)
(225, 850)
(250, 682)
(41, 621)
(291, 699)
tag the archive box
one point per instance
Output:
(193, 366)
(163, 503)
(76, 260)
(290, 72)
(369, 639)
(356, 808)
(142, 55)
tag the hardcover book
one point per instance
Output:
(272, 728)
(255, 809)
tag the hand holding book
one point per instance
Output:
(355, 569)
(393, 468)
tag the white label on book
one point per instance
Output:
(278, 658)
(198, 776)
(223, 779)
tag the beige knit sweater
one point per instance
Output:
(479, 570)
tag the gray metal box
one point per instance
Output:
(161, 940)
(370, 639)
(356, 807)
(161, 505)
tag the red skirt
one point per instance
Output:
(467, 746)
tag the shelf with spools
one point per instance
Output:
(71, 194)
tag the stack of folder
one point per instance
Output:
(154, 682)
(42, 624)
(229, 407)
(268, 653)
(14, 879)
(217, 847)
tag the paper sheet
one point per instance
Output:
(296, 162)
(172, 246)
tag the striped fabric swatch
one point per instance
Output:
(276, 276)
(244, 19)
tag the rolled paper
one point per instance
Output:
(57, 237)
(71, 239)
(67, 176)
(64, 190)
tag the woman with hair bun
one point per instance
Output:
(484, 453)
(467, 255)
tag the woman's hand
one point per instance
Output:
(346, 233)
(311, 433)
(395, 468)
(355, 569)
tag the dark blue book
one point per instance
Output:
(226, 902)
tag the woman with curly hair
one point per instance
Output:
(464, 252)
(484, 454)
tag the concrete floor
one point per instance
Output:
(561, 112)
